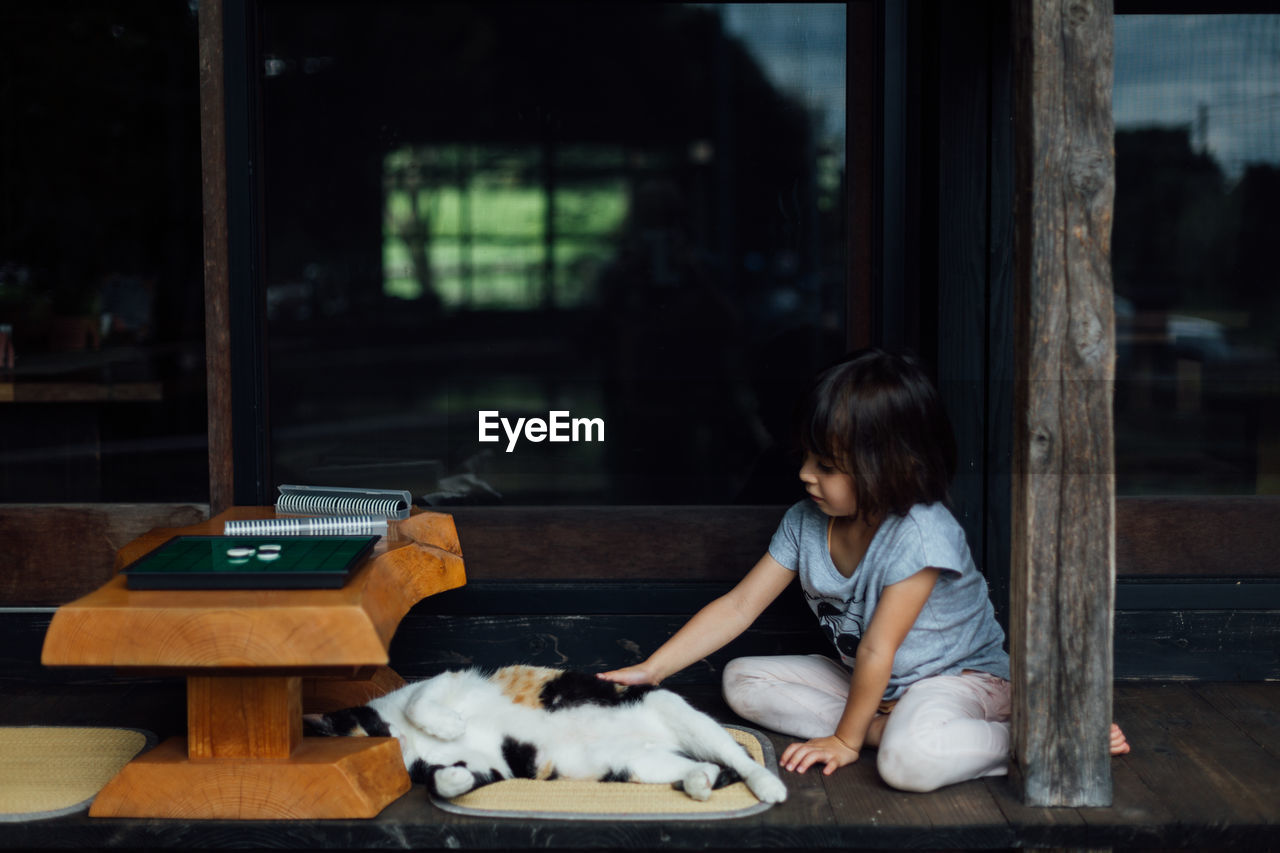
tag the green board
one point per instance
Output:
(250, 562)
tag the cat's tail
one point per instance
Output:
(360, 721)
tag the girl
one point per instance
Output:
(922, 673)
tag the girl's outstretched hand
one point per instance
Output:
(629, 675)
(830, 751)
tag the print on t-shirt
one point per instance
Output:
(841, 621)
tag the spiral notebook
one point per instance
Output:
(340, 511)
(331, 500)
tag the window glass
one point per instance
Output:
(1194, 254)
(549, 253)
(102, 392)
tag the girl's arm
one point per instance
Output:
(896, 612)
(712, 627)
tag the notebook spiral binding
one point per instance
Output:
(335, 525)
(331, 500)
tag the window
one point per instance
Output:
(102, 378)
(549, 253)
(1197, 113)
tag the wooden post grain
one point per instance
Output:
(217, 277)
(1063, 549)
(218, 727)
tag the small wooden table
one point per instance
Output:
(245, 654)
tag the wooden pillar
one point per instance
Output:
(217, 279)
(219, 724)
(1063, 549)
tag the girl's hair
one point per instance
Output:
(877, 417)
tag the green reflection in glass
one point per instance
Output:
(475, 226)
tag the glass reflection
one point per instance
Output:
(102, 373)
(630, 212)
(1197, 212)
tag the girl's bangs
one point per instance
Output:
(823, 427)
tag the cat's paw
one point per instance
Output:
(453, 781)
(445, 726)
(767, 787)
(699, 782)
(439, 723)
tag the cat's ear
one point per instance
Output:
(318, 724)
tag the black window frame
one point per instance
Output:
(932, 180)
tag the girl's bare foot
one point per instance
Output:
(1119, 746)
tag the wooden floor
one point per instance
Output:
(1204, 773)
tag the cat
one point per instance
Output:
(467, 728)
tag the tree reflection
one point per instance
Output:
(595, 207)
(1198, 318)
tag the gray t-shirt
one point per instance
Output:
(956, 630)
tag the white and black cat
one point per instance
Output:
(463, 729)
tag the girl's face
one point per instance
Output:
(829, 487)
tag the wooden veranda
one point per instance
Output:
(1205, 769)
(1180, 788)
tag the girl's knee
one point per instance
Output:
(752, 689)
(737, 674)
(913, 758)
(733, 674)
(906, 768)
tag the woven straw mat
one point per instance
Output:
(570, 799)
(47, 771)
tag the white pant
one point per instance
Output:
(943, 730)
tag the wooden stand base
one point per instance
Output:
(246, 654)
(323, 778)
